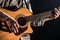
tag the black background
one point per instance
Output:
(51, 29)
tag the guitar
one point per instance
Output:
(24, 19)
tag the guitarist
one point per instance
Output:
(14, 5)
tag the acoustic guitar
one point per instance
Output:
(24, 18)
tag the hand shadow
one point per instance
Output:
(4, 27)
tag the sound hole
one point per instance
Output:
(22, 21)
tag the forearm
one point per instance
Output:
(3, 17)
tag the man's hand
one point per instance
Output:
(10, 22)
(56, 13)
(54, 16)
(12, 25)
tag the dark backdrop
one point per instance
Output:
(51, 29)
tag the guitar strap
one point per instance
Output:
(26, 3)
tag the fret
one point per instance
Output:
(38, 19)
(39, 16)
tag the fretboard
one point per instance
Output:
(39, 16)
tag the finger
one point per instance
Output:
(56, 13)
(16, 27)
(56, 10)
(17, 24)
(56, 16)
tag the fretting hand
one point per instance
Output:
(54, 16)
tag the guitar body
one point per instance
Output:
(23, 12)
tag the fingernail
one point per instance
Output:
(55, 8)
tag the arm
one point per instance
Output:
(3, 17)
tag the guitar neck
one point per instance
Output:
(39, 16)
